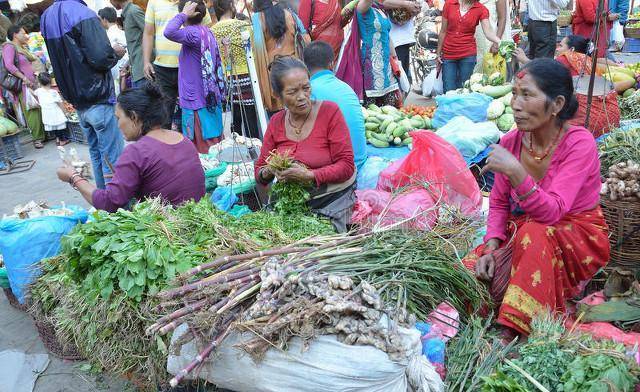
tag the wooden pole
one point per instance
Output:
(600, 13)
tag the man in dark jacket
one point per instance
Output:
(82, 57)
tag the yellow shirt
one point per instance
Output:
(231, 29)
(159, 13)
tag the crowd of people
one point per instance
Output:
(162, 79)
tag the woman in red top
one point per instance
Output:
(584, 19)
(457, 46)
(316, 135)
(323, 21)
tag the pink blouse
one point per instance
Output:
(570, 185)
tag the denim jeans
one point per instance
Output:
(456, 72)
(100, 126)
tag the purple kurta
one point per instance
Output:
(150, 168)
(190, 87)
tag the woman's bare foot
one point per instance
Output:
(38, 144)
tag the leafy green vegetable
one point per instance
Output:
(598, 373)
(291, 197)
(500, 382)
(506, 49)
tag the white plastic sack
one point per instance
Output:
(617, 35)
(432, 84)
(327, 365)
(403, 81)
(468, 137)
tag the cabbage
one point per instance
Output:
(495, 109)
(476, 87)
(505, 122)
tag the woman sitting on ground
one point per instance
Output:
(160, 163)
(316, 135)
(547, 182)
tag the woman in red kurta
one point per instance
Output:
(323, 22)
(315, 134)
(584, 19)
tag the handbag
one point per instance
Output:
(9, 81)
(30, 100)
(299, 39)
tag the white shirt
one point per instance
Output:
(403, 35)
(546, 10)
(116, 36)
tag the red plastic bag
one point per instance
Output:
(438, 165)
(381, 207)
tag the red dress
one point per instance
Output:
(326, 22)
(584, 19)
(327, 151)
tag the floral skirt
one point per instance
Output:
(548, 264)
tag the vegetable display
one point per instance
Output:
(619, 146)
(388, 126)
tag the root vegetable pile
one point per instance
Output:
(623, 182)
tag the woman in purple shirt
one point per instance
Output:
(160, 163)
(201, 82)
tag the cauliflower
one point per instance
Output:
(495, 109)
(476, 78)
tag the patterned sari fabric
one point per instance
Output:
(549, 263)
(374, 29)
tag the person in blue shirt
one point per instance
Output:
(621, 8)
(325, 86)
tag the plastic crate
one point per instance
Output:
(76, 134)
(631, 45)
(11, 147)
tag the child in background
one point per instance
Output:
(53, 115)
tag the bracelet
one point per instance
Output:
(73, 177)
(75, 183)
(528, 194)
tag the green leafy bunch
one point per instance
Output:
(598, 373)
(132, 251)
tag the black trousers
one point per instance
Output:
(403, 55)
(167, 80)
(542, 38)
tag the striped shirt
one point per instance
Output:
(546, 10)
(159, 13)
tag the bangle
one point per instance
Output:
(528, 194)
(75, 183)
(73, 177)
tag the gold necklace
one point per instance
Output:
(297, 129)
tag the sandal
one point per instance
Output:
(38, 144)
(64, 143)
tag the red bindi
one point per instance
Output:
(521, 74)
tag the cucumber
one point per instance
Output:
(379, 136)
(371, 126)
(374, 108)
(399, 131)
(367, 134)
(379, 143)
(419, 124)
(383, 117)
(390, 138)
(407, 124)
(385, 124)
(372, 119)
(391, 127)
(427, 123)
(387, 109)
(407, 141)
(397, 141)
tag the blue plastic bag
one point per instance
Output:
(224, 198)
(368, 176)
(473, 106)
(24, 242)
(468, 137)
